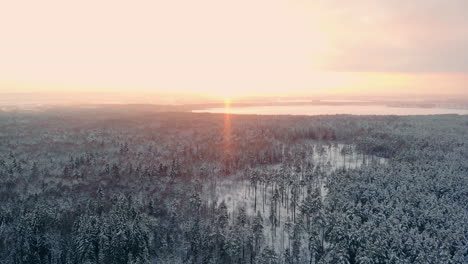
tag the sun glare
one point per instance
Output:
(227, 104)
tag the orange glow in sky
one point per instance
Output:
(228, 49)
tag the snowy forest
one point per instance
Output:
(114, 186)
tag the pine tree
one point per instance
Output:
(268, 256)
(257, 230)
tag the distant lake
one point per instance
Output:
(334, 109)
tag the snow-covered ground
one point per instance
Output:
(238, 192)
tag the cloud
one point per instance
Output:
(247, 46)
(395, 36)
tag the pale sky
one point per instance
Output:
(235, 48)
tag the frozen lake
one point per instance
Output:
(334, 109)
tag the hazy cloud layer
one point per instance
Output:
(397, 35)
(238, 47)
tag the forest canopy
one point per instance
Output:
(102, 186)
